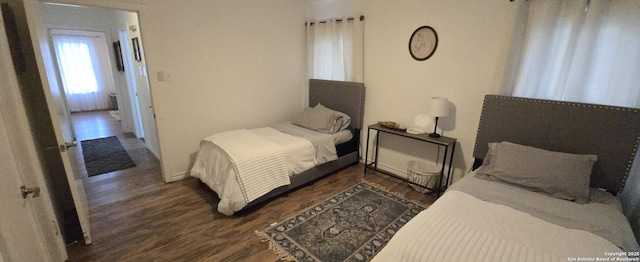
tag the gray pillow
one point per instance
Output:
(561, 175)
(344, 122)
(325, 121)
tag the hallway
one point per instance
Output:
(108, 188)
(100, 124)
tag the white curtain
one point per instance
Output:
(85, 69)
(335, 49)
(581, 50)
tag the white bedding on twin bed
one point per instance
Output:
(460, 226)
(301, 149)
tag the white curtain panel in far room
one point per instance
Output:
(581, 50)
(85, 69)
(335, 49)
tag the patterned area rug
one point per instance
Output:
(351, 226)
(104, 155)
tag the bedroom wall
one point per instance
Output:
(472, 54)
(234, 64)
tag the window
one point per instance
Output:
(77, 65)
(85, 69)
(335, 49)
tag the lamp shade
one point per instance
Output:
(439, 106)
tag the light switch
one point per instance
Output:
(161, 77)
(164, 76)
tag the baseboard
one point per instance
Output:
(395, 170)
(178, 176)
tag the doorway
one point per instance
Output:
(130, 92)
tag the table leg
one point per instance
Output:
(444, 162)
(366, 153)
(375, 151)
(453, 149)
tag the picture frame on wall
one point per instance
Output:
(117, 49)
(423, 43)
(136, 49)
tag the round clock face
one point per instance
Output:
(423, 43)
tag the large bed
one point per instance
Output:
(542, 188)
(249, 166)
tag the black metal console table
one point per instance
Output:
(448, 143)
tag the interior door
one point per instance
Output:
(131, 82)
(144, 100)
(26, 231)
(17, 223)
(60, 116)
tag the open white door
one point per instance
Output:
(18, 224)
(28, 230)
(143, 92)
(131, 82)
(59, 114)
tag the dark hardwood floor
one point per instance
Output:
(135, 216)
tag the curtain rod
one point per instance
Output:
(337, 20)
(78, 35)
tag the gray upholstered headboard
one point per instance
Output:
(346, 97)
(612, 133)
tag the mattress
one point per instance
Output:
(302, 149)
(479, 220)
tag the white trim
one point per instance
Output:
(92, 3)
(178, 176)
(394, 170)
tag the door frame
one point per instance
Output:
(147, 114)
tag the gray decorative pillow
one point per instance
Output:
(340, 125)
(325, 121)
(561, 175)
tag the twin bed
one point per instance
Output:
(545, 195)
(249, 166)
(542, 188)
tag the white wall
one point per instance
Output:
(470, 60)
(235, 64)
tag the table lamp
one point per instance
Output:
(439, 108)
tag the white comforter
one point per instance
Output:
(480, 220)
(460, 227)
(242, 165)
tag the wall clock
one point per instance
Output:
(423, 43)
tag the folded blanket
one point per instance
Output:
(259, 164)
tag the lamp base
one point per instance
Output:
(434, 134)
